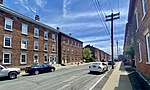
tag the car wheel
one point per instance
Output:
(36, 72)
(52, 70)
(12, 75)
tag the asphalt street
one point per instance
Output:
(73, 78)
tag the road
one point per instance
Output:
(73, 78)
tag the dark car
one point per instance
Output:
(39, 68)
(110, 62)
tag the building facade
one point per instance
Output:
(141, 31)
(69, 49)
(98, 54)
(24, 41)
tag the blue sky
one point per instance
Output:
(78, 17)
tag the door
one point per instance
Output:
(50, 59)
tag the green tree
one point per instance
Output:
(130, 49)
(87, 54)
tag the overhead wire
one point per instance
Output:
(100, 17)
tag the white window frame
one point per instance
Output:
(36, 43)
(25, 58)
(53, 37)
(36, 30)
(137, 20)
(140, 53)
(8, 36)
(24, 29)
(147, 45)
(37, 58)
(45, 35)
(9, 57)
(47, 58)
(25, 47)
(53, 47)
(6, 22)
(144, 7)
(44, 46)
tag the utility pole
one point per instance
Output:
(117, 49)
(111, 18)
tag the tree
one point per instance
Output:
(130, 50)
(87, 54)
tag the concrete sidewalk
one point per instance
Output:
(118, 80)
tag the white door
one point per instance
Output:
(50, 59)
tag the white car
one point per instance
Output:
(9, 72)
(98, 67)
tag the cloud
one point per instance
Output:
(41, 3)
(65, 7)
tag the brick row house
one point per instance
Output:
(98, 54)
(141, 30)
(70, 49)
(24, 41)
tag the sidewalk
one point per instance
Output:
(118, 80)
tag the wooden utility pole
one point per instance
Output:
(111, 18)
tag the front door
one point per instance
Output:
(50, 59)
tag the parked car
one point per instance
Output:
(11, 73)
(39, 68)
(110, 62)
(98, 67)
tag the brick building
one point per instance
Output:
(70, 49)
(98, 54)
(141, 29)
(24, 41)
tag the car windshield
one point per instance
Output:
(96, 63)
(34, 65)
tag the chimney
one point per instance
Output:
(1, 2)
(37, 18)
(69, 34)
(57, 28)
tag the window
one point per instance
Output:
(6, 58)
(68, 41)
(23, 58)
(36, 32)
(53, 48)
(64, 50)
(45, 58)
(23, 44)
(36, 45)
(45, 35)
(140, 54)
(45, 47)
(24, 29)
(148, 46)
(144, 6)
(137, 21)
(8, 24)
(7, 41)
(64, 40)
(68, 49)
(36, 58)
(53, 37)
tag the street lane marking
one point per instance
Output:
(98, 81)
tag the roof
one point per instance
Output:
(70, 37)
(7, 10)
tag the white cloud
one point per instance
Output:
(41, 3)
(65, 7)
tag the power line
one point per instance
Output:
(97, 9)
(110, 6)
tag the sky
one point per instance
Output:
(80, 18)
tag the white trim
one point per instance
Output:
(137, 20)
(9, 57)
(147, 45)
(11, 23)
(53, 47)
(23, 53)
(36, 42)
(36, 30)
(53, 37)
(45, 33)
(24, 27)
(44, 58)
(44, 46)
(37, 58)
(26, 46)
(140, 54)
(146, 31)
(10, 37)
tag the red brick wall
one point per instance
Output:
(16, 40)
